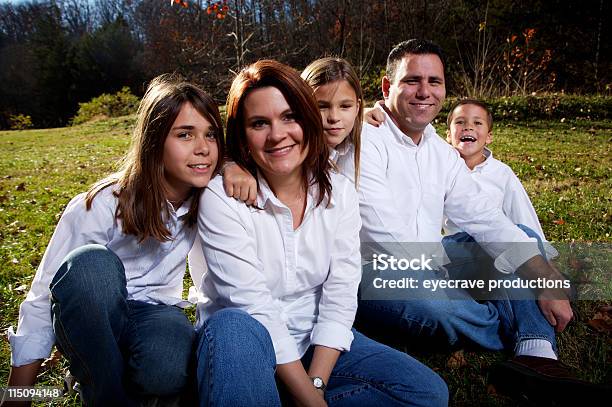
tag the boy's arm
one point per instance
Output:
(239, 183)
(518, 207)
(23, 376)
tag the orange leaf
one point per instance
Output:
(559, 222)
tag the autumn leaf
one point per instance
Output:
(602, 320)
(457, 360)
(559, 222)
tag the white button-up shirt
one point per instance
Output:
(405, 189)
(154, 271)
(506, 192)
(300, 284)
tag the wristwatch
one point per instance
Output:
(318, 383)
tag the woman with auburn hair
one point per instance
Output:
(283, 274)
(108, 290)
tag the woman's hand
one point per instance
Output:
(22, 376)
(239, 183)
(299, 385)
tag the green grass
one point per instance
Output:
(565, 168)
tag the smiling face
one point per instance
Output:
(415, 94)
(469, 131)
(190, 153)
(274, 137)
(339, 107)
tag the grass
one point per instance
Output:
(565, 168)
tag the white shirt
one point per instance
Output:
(405, 189)
(300, 284)
(506, 192)
(154, 271)
(343, 156)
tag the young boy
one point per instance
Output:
(470, 125)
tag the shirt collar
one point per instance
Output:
(488, 157)
(265, 194)
(401, 137)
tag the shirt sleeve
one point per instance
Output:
(234, 277)
(469, 207)
(34, 337)
(518, 208)
(338, 303)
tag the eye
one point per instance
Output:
(323, 106)
(184, 135)
(478, 123)
(258, 124)
(459, 122)
(290, 117)
(346, 106)
(212, 135)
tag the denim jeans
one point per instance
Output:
(236, 366)
(454, 317)
(119, 350)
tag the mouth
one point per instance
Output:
(467, 139)
(334, 130)
(422, 105)
(279, 151)
(200, 166)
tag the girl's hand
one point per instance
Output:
(239, 184)
(374, 116)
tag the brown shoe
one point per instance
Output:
(545, 381)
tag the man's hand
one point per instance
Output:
(558, 313)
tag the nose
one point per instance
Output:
(201, 146)
(276, 133)
(332, 115)
(423, 91)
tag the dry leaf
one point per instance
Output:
(456, 360)
(602, 320)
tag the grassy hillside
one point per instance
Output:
(565, 168)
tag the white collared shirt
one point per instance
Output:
(405, 189)
(300, 284)
(506, 192)
(154, 271)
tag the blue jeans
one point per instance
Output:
(119, 350)
(454, 317)
(236, 367)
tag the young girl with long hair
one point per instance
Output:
(283, 274)
(339, 97)
(108, 289)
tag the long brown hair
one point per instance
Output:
(142, 205)
(299, 96)
(331, 69)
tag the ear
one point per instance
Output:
(489, 138)
(448, 137)
(386, 84)
(358, 103)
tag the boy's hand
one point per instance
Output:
(374, 116)
(239, 184)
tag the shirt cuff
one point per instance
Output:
(516, 255)
(26, 349)
(286, 350)
(332, 335)
(551, 252)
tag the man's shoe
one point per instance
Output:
(545, 381)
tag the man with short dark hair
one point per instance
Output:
(410, 177)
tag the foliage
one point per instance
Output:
(553, 106)
(107, 105)
(564, 167)
(20, 122)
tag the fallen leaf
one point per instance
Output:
(559, 222)
(456, 360)
(602, 320)
(20, 187)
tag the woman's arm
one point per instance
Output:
(299, 384)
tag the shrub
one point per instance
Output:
(20, 122)
(106, 105)
(548, 106)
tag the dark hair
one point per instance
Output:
(300, 97)
(468, 101)
(330, 69)
(412, 46)
(142, 204)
